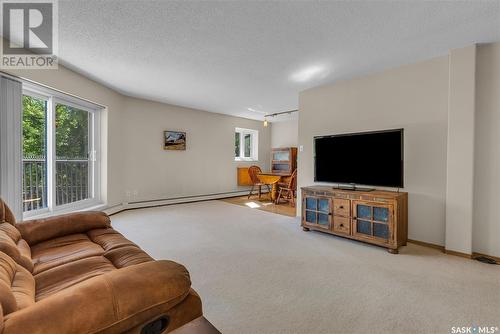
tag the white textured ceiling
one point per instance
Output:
(250, 58)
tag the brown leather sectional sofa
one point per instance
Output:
(75, 274)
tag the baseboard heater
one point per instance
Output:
(174, 200)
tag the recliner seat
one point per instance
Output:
(75, 274)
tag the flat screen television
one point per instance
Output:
(365, 158)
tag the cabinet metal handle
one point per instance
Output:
(341, 225)
(341, 207)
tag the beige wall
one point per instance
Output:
(285, 134)
(450, 109)
(132, 130)
(460, 152)
(206, 167)
(486, 232)
(413, 97)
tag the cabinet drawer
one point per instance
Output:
(341, 207)
(341, 225)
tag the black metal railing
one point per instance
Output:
(34, 183)
(72, 181)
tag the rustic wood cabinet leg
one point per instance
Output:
(393, 251)
(305, 229)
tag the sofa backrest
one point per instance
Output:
(5, 214)
(11, 242)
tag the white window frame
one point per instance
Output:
(54, 98)
(254, 145)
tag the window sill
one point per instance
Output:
(68, 208)
(245, 160)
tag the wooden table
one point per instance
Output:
(273, 179)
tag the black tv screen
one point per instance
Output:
(367, 158)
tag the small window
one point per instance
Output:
(237, 144)
(246, 144)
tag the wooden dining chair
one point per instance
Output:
(287, 191)
(253, 172)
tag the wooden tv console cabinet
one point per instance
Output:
(377, 217)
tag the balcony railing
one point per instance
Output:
(72, 181)
(34, 183)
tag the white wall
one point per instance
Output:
(486, 232)
(285, 133)
(460, 159)
(413, 97)
(206, 167)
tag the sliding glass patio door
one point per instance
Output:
(59, 154)
(72, 154)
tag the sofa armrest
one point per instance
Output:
(37, 230)
(110, 303)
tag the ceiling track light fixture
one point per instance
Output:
(289, 112)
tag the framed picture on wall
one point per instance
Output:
(174, 140)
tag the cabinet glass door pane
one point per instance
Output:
(323, 219)
(324, 205)
(311, 217)
(311, 203)
(281, 155)
(364, 211)
(364, 227)
(381, 214)
(381, 230)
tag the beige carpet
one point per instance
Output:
(258, 272)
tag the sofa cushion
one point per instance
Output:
(109, 239)
(25, 252)
(126, 256)
(64, 276)
(62, 250)
(17, 285)
(12, 245)
(65, 261)
(10, 230)
(23, 288)
(7, 273)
